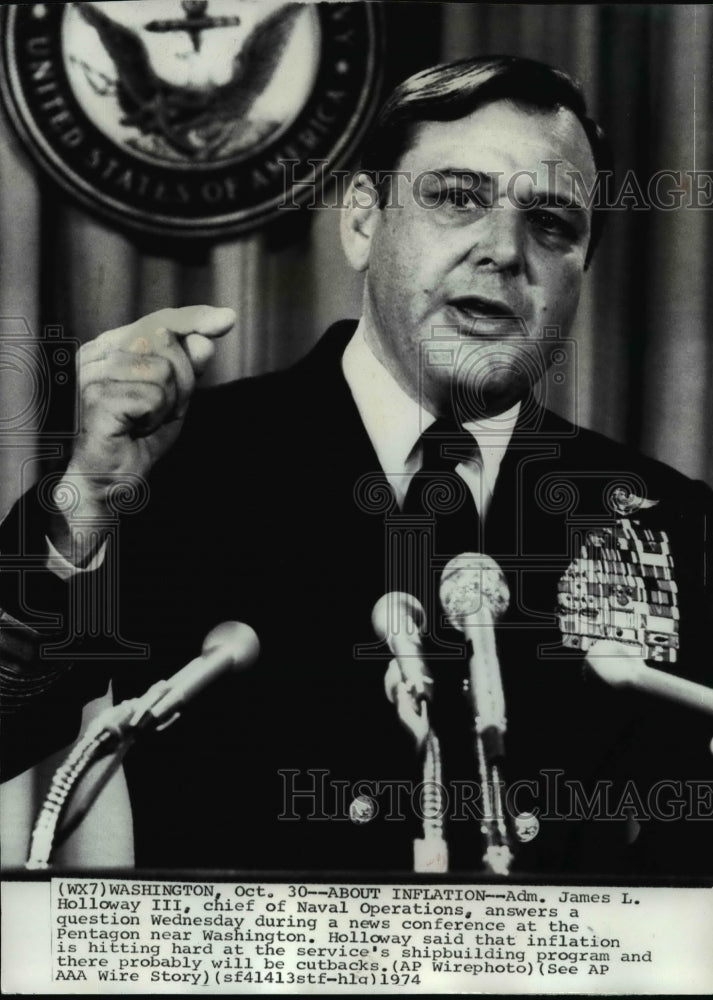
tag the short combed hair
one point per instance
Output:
(453, 90)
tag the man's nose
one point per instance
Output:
(498, 241)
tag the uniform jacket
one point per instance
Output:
(272, 509)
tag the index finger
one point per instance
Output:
(154, 331)
(208, 321)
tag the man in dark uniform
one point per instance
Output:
(294, 501)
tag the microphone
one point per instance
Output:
(474, 595)
(622, 666)
(229, 646)
(399, 620)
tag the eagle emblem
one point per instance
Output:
(192, 118)
(202, 118)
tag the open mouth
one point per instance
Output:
(488, 314)
(473, 305)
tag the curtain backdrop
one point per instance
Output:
(644, 356)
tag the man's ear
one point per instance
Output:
(360, 217)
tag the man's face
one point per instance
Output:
(484, 247)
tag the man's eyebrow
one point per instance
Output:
(480, 179)
(555, 199)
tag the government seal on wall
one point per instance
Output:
(191, 117)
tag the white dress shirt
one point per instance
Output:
(394, 422)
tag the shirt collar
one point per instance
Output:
(394, 421)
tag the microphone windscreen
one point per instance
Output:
(472, 583)
(616, 663)
(238, 640)
(397, 613)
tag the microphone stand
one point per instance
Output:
(113, 733)
(498, 855)
(227, 646)
(430, 852)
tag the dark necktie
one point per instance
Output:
(438, 493)
(439, 514)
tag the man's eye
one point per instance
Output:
(461, 199)
(452, 198)
(550, 223)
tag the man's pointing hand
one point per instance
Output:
(135, 385)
